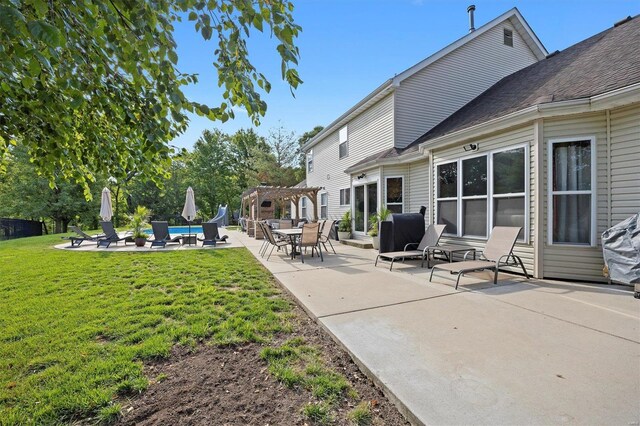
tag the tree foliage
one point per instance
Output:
(93, 87)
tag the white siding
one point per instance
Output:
(369, 132)
(520, 136)
(625, 161)
(432, 94)
(419, 187)
(576, 262)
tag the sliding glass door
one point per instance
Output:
(365, 205)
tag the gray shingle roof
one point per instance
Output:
(602, 63)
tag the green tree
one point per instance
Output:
(213, 172)
(247, 145)
(92, 88)
(25, 194)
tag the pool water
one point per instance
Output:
(177, 230)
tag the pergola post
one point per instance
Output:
(315, 205)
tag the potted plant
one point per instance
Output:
(138, 221)
(374, 225)
(373, 231)
(344, 228)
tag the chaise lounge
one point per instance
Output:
(429, 240)
(82, 236)
(211, 235)
(111, 235)
(497, 253)
(161, 235)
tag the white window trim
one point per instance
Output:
(326, 205)
(346, 191)
(435, 189)
(310, 161)
(303, 208)
(490, 196)
(343, 142)
(386, 178)
(463, 198)
(592, 192)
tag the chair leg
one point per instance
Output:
(271, 252)
(320, 251)
(458, 280)
(522, 266)
(332, 248)
(376, 264)
(392, 260)
(301, 255)
(431, 274)
(495, 276)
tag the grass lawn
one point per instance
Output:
(76, 327)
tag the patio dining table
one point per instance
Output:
(293, 234)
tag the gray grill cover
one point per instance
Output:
(621, 251)
(401, 230)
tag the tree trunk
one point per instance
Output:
(58, 225)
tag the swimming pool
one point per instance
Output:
(177, 230)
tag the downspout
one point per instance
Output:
(609, 212)
(432, 190)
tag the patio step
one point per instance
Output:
(363, 244)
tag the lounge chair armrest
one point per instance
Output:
(410, 244)
(466, 253)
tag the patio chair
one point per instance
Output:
(161, 235)
(310, 237)
(497, 253)
(272, 241)
(82, 236)
(325, 235)
(430, 239)
(210, 234)
(111, 235)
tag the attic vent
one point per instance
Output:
(508, 37)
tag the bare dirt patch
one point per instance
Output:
(230, 385)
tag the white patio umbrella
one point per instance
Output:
(106, 211)
(189, 210)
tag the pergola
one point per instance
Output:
(277, 194)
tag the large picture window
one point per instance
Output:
(571, 174)
(474, 194)
(395, 194)
(324, 205)
(447, 193)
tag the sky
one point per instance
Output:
(349, 47)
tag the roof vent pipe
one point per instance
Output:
(470, 11)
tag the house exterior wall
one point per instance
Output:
(617, 138)
(512, 138)
(369, 132)
(625, 160)
(432, 94)
(416, 184)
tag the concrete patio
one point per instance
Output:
(520, 352)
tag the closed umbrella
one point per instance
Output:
(106, 210)
(189, 210)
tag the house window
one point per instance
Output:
(310, 161)
(447, 197)
(571, 191)
(324, 205)
(395, 194)
(508, 37)
(344, 143)
(345, 197)
(491, 190)
(474, 196)
(509, 189)
(303, 208)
